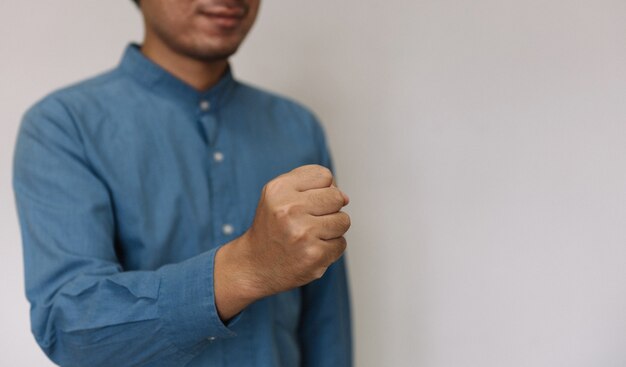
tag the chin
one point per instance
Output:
(212, 53)
(205, 50)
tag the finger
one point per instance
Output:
(336, 246)
(346, 198)
(331, 226)
(324, 201)
(309, 177)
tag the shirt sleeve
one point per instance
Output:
(85, 309)
(325, 331)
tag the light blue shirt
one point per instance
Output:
(126, 185)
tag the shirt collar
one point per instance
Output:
(160, 81)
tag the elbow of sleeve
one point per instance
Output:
(62, 353)
(98, 323)
(53, 343)
(133, 343)
(131, 318)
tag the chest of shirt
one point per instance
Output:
(175, 191)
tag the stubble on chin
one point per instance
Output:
(209, 53)
(199, 49)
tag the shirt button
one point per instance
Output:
(205, 105)
(218, 156)
(211, 338)
(228, 229)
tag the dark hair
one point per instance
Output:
(136, 2)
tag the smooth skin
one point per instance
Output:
(298, 229)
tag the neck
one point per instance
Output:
(201, 75)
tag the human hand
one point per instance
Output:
(297, 232)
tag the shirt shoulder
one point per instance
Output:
(55, 119)
(85, 98)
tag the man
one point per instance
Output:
(172, 215)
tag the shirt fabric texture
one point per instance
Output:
(126, 185)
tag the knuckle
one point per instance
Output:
(272, 187)
(281, 212)
(298, 235)
(306, 170)
(332, 198)
(314, 254)
(342, 244)
(325, 173)
(344, 220)
(285, 211)
(337, 196)
(303, 168)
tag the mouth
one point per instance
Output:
(225, 16)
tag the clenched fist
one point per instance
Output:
(297, 233)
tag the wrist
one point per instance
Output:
(242, 270)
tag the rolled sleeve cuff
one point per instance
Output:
(187, 302)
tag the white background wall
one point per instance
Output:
(483, 144)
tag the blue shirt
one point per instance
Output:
(126, 185)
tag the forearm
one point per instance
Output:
(168, 314)
(235, 287)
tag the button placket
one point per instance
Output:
(207, 120)
(221, 178)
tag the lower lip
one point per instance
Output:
(224, 22)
